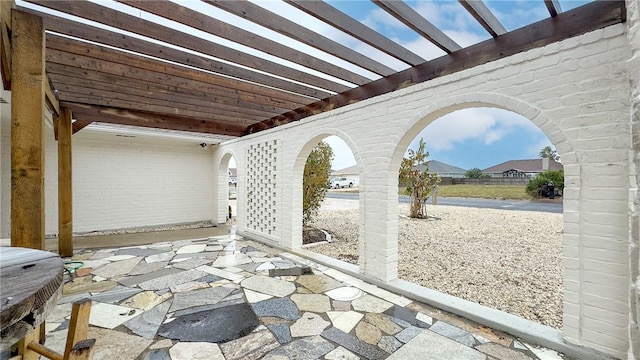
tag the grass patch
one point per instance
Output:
(511, 192)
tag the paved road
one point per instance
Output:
(522, 205)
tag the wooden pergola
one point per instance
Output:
(91, 63)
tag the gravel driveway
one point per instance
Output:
(504, 259)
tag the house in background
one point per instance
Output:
(444, 170)
(350, 173)
(523, 168)
(233, 176)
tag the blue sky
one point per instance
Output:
(477, 137)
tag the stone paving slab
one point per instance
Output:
(222, 299)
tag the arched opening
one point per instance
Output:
(488, 241)
(228, 189)
(334, 223)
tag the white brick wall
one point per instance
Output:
(576, 91)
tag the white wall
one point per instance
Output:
(576, 91)
(5, 165)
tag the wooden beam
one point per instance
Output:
(195, 19)
(275, 22)
(63, 74)
(65, 181)
(51, 99)
(5, 41)
(28, 81)
(325, 12)
(484, 16)
(123, 41)
(92, 113)
(589, 17)
(120, 20)
(419, 24)
(553, 6)
(79, 125)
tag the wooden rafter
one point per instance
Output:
(484, 16)
(568, 24)
(86, 32)
(117, 19)
(553, 6)
(330, 15)
(259, 15)
(5, 42)
(51, 98)
(92, 113)
(173, 11)
(79, 125)
(419, 24)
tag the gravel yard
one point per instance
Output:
(504, 259)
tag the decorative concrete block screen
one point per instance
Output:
(261, 186)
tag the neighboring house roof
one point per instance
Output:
(438, 167)
(528, 166)
(351, 170)
(233, 172)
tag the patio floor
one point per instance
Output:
(173, 296)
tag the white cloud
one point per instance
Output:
(487, 125)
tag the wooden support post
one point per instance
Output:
(65, 203)
(27, 139)
(78, 325)
(23, 345)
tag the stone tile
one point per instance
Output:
(345, 293)
(516, 345)
(368, 333)
(318, 283)
(424, 318)
(81, 256)
(213, 248)
(94, 264)
(344, 320)
(369, 303)
(144, 267)
(85, 284)
(103, 253)
(250, 267)
(234, 269)
(408, 334)
(282, 332)
(111, 344)
(224, 261)
(289, 271)
(312, 302)
(193, 298)
(368, 288)
(217, 325)
(208, 307)
(254, 297)
(196, 351)
(138, 279)
(340, 305)
(389, 344)
(110, 316)
(309, 324)
(155, 354)
(209, 279)
(429, 345)
(97, 278)
(254, 253)
(353, 344)
(279, 307)
(453, 333)
(405, 314)
(84, 271)
(139, 251)
(501, 352)
(265, 266)
(119, 257)
(383, 322)
(250, 347)
(312, 347)
(341, 353)
(60, 313)
(192, 263)
(166, 256)
(146, 300)
(171, 280)
(115, 295)
(220, 273)
(283, 264)
(543, 354)
(161, 344)
(189, 286)
(147, 323)
(268, 285)
(190, 249)
(75, 297)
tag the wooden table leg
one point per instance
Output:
(23, 345)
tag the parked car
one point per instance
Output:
(337, 183)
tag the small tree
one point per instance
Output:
(316, 180)
(538, 185)
(414, 172)
(475, 173)
(549, 153)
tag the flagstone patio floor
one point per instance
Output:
(218, 298)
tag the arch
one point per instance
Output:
(222, 193)
(298, 173)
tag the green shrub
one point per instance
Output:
(541, 180)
